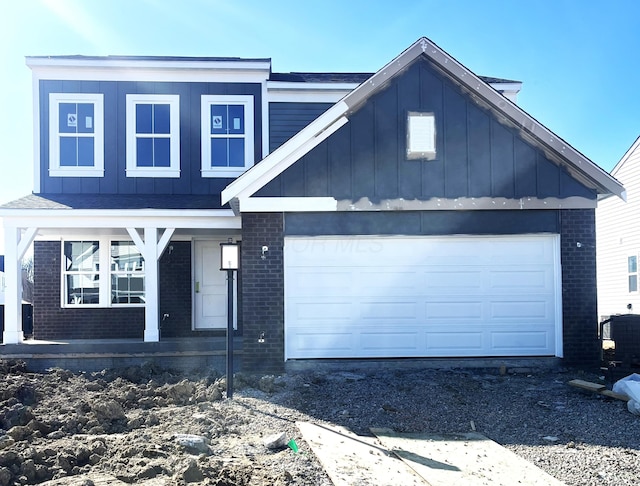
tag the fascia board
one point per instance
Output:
(98, 218)
(129, 64)
(288, 153)
(101, 73)
(292, 86)
(287, 204)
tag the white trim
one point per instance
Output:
(104, 272)
(164, 240)
(264, 101)
(279, 160)
(287, 204)
(206, 101)
(160, 70)
(57, 170)
(290, 92)
(37, 177)
(557, 263)
(174, 136)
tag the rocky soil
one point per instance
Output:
(148, 426)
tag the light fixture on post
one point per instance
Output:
(229, 262)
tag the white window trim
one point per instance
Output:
(174, 136)
(205, 134)
(104, 272)
(55, 169)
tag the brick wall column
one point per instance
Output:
(262, 287)
(579, 290)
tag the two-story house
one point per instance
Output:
(414, 212)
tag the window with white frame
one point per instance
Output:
(153, 135)
(76, 135)
(102, 273)
(632, 268)
(227, 135)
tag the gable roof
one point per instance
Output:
(556, 149)
(626, 156)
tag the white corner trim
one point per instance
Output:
(35, 87)
(26, 240)
(287, 204)
(282, 158)
(137, 239)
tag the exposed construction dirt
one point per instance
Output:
(146, 426)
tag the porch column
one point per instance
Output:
(15, 245)
(151, 316)
(152, 250)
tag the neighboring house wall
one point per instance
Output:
(618, 238)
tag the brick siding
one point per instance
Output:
(579, 291)
(262, 287)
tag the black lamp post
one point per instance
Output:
(229, 262)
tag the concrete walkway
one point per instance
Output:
(390, 459)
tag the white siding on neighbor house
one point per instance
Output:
(617, 238)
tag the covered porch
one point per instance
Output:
(152, 231)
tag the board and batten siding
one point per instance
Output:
(617, 238)
(476, 155)
(115, 180)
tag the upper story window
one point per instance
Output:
(227, 135)
(153, 135)
(76, 135)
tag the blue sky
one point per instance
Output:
(578, 59)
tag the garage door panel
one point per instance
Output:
(306, 342)
(455, 343)
(514, 309)
(407, 341)
(454, 310)
(532, 342)
(307, 281)
(314, 311)
(396, 311)
(442, 279)
(421, 296)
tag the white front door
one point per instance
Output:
(210, 287)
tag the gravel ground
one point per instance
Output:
(124, 427)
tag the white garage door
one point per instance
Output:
(461, 296)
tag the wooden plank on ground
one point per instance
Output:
(587, 385)
(598, 388)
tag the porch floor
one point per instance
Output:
(98, 354)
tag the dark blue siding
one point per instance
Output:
(422, 223)
(115, 180)
(476, 155)
(287, 119)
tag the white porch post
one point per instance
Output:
(13, 293)
(152, 314)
